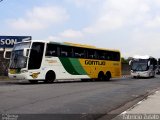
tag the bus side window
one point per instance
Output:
(91, 54)
(76, 55)
(116, 56)
(51, 50)
(78, 52)
(82, 55)
(36, 56)
(66, 51)
(100, 54)
(108, 55)
(64, 54)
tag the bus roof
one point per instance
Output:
(142, 57)
(71, 44)
(86, 46)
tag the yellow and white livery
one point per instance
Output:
(49, 61)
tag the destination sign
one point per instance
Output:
(9, 41)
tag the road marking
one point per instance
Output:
(125, 112)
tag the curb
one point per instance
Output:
(116, 113)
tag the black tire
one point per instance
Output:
(108, 76)
(134, 77)
(154, 75)
(33, 81)
(101, 76)
(50, 77)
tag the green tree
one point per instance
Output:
(123, 60)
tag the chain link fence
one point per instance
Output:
(126, 69)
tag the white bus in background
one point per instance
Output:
(158, 66)
(143, 66)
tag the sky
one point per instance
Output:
(131, 26)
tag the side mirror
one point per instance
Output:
(7, 54)
(26, 52)
(130, 62)
(149, 63)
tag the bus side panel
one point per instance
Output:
(83, 70)
(62, 68)
(93, 67)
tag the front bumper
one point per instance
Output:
(140, 74)
(18, 76)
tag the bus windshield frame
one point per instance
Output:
(140, 65)
(18, 61)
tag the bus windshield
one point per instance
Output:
(17, 58)
(21, 46)
(140, 65)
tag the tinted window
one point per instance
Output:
(66, 51)
(52, 50)
(115, 56)
(108, 55)
(101, 54)
(79, 52)
(36, 55)
(91, 54)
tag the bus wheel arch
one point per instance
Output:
(108, 75)
(101, 76)
(50, 76)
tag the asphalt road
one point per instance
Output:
(73, 100)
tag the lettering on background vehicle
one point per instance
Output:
(8, 41)
(91, 62)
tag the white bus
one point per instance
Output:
(37, 60)
(143, 66)
(158, 66)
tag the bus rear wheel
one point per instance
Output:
(101, 76)
(108, 76)
(50, 77)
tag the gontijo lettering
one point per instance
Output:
(92, 62)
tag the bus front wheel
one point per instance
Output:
(50, 77)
